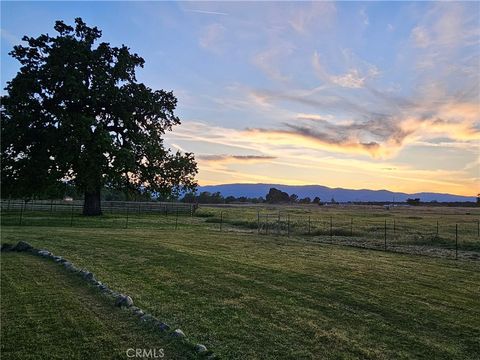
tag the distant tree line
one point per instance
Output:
(206, 197)
(274, 196)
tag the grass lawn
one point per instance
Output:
(250, 297)
(50, 314)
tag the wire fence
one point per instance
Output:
(451, 238)
(457, 237)
(108, 207)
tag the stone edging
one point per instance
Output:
(121, 300)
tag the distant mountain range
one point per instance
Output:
(326, 193)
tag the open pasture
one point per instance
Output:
(434, 231)
(437, 231)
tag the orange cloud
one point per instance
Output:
(313, 140)
(222, 158)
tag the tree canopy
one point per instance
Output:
(414, 202)
(277, 196)
(76, 113)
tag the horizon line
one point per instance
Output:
(335, 188)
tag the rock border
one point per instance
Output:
(120, 300)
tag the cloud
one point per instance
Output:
(268, 60)
(354, 78)
(445, 31)
(456, 121)
(282, 26)
(207, 12)
(391, 99)
(453, 25)
(317, 13)
(420, 37)
(231, 168)
(235, 158)
(323, 99)
(178, 147)
(383, 122)
(303, 136)
(378, 137)
(364, 17)
(320, 71)
(212, 37)
(298, 155)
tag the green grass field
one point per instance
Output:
(49, 314)
(434, 231)
(407, 227)
(247, 296)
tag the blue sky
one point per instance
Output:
(347, 94)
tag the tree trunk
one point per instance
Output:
(92, 204)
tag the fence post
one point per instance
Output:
(126, 222)
(258, 222)
(385, 233)
(456, 241)
(394, 229)
(351, 226)
(478, 228)
(437, 231)
(309, 224)
(331, 227)
(71, 217)
(21, 214)
(176, 220)
(278, 224)
(8, 205)
(266, 224)
(51, 206)
(221, 220)
(288, 225)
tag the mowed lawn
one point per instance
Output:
(260, 297)
(47, 313)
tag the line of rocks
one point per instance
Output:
(121, 300)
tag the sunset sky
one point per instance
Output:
(357, 95)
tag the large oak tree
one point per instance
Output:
(75, 112)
